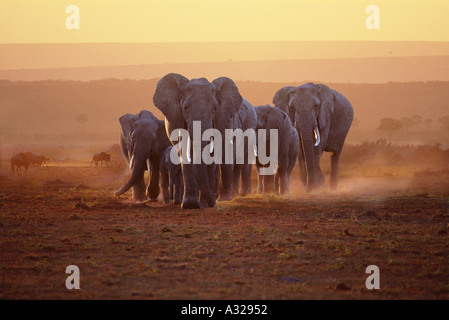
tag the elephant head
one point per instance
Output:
(183, 101)
(143, 136)
(310, 108)
(127, 126)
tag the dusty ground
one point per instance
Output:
(297, 247)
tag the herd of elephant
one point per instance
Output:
(310, 119)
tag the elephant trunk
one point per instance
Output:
(308, 144)
(204, 178)
(223, 123)
(137, 173)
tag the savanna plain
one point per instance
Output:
(390, 211)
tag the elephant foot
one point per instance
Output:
(140, 199)
(190, 204)
(207, 204)
(152, 200)
(225, 197)
(177, 202)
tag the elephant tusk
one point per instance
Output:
(189, 159)
(255, 150)
(232, 141)
(131, 163)
(211, 145)
(317, 136)
(148, 165)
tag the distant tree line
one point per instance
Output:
(391, 125)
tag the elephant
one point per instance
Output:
(270, 118)
(214, 104)
(19, 160)
(143, 140)
(246, 118)
(101, 157)
(322, 117)
(171, 179)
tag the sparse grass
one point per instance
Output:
(299, 246)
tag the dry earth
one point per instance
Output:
(302, 246)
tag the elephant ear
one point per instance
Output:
(327, 105)
(281, 100)
(127, 122)
(228, 96)
(161, 127)
(167, 98)
(270, 118)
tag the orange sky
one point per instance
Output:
(43, 21)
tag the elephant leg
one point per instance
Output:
(289, 174)
(236, 179)
(139, 189)
(319, 176)
(211, 181)
(226, 181)
(268, 183)
(191, 193)
(302, 162)
(276, 182)
(217, 182)
(172, 188)
(335, 159)
(283, 180)
(212, 173)
(260, 182)
(179, 189)
(247, 183)
(153, 187)
(165, 183)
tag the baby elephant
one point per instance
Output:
(101, 157)
(171, 179)
(287, 143)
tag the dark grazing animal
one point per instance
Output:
(35, 160)
(100, 158)
(19, 160)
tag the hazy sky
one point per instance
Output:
(44, 21)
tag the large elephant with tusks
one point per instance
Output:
(322, 117)
(143, 140)
(213, 105)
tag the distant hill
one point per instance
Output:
(50, 107)
(344, 70)
(74, 55)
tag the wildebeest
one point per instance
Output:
(35, 159)
(101, 157)
(19, 160)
